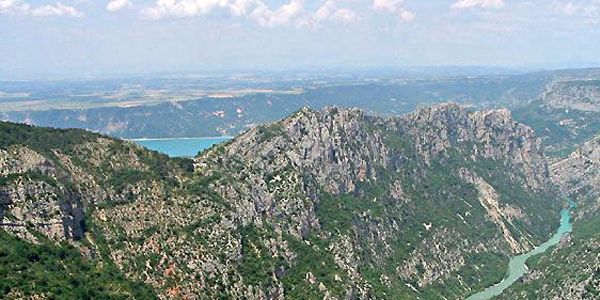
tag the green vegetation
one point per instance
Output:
(42, 139)
(480, 271)
(384, 231)
(561, 139)
(437, 196)
(161, 164)
(586, 228)
(346, 213)
(60, 272)
(257, 264)
(200, 186)
(268, 132)
(315, 259)
(568, 265)
(543, 208)
(120, 179)
(31, 175)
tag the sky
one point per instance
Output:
(88, 37)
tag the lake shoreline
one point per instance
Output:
(181, 138)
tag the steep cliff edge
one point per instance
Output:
(401, 205)
(566, 115)
(571, 270)
(578, 175)
(581, 95)
(324, 204)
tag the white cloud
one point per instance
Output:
(242, 7)
(281, 16)
(394, 6)
(567, 8)
(573, 8)
(464, 4)
(588, 11)
(58, 9)
(344, 15)
(330, 11)
(183, 8)
(13, 6)
(255, 10)
(21, 8)
(116, 5)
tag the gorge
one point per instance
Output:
(322, 204)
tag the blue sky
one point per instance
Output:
(87, 37)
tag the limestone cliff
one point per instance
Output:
(583, 95)
(331, 204)
(578, 175)
(571, 270)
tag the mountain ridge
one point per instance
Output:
(323, 204)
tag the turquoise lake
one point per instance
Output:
(180, 147)
(517, 267)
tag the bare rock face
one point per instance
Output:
(485, 134)
(581, 95)
(284, 174)
(19, 159)
(438, 256)
(578, 175)
(34, 198)
(572, 266)
(490, 200)
(333, 145)
(331, 204)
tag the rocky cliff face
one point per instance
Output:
(579, 176)
(583, 95)
(571, 270)
(490, 135)
(361, 182)
(329, 204)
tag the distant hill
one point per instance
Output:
(144, 111)
(559, 105)
(583, 95)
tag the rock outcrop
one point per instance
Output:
(571, 270)
(578, 175)
(331, 204)
(583, 95)
(487, 134)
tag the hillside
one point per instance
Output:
(578, 175)
(572, 270)
(561, 130)
(583, 95)
(323, 204)
(138, 109)
(566, 113)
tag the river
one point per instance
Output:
(517, 267)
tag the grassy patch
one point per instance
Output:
(60, 272)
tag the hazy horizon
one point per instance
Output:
(50, 38)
